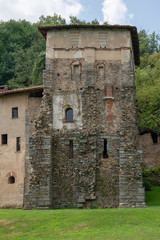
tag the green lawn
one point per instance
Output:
(104, 224)
(153, 197)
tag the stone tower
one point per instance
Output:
(84, 151)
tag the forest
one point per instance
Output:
(22, 59)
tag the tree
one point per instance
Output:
(148, 91)
(51, 20)
(17, 37)
(76, 21)
(39, 65)
(149, 43)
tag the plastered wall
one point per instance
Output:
(11, 161)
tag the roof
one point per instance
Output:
(21, 90)
(133, 30)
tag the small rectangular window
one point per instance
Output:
(101, 71)
(15, 112)
(4, 139)
(154, 137)
(71, 149)
(69, 114)
(105, 153)
(76, 69)
(18, 144)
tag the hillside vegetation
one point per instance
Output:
(148, 81)
(22, 59)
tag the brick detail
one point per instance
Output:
(108, 91)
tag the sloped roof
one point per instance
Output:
(21, 90)
(133, 30)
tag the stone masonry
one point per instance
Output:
(92, 160)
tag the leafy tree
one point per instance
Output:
(39, 65)
(149, 43)
(17, 37)
(76, 21)
(29, 64)
(51, 20)
(148, 91)
(148, 81)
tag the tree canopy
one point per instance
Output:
(148, 81)
(20, 48)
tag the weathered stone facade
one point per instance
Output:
(150, 145)
(15, 123)
(94, 158)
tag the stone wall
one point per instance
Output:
(88, 179)
(38, 155)
(94, 160)
(130, 177)
(151, 150)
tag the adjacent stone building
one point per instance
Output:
(84, 149)
(150, 144)
(19, 109)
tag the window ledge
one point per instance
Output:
(108, 98)
(68, 121)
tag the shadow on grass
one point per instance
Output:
(153, 197)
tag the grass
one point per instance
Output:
(99, 224)
(153, 197)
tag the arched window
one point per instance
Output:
(76, 69)
(101, 68)
(11, 180)
(69, 114)
(101, 71)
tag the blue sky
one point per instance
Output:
(142, 13)
(146, 13)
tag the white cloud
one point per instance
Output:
(32, 9)
(116, 12)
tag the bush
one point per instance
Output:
(151, 177)
(146, 179)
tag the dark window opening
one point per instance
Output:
(69, 114)
(15, 112)
(4, 138)
(36, 94)
(71, 149)
(105, 154)
(3, 88)
(18, 144)
(154, 138)
(11, 180)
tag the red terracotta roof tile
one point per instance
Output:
(21, 90)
